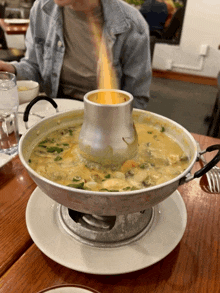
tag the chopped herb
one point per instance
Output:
(65, 144)
(54, 149)
(50, 140)
(150, 132)
(143, 166)
(113, 190)
(162, 129)
(58, 158)
(108, 176)
(44, 141)
(42, 146)
(76, 178)
(77, 185)
(29, 161)
(70, 132)
(104, 189)
(127, 188)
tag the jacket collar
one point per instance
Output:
(116, 22)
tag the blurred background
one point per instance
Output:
(185, 60)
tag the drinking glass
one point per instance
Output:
(9, 136)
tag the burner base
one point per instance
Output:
(105, 231)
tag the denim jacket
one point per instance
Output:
(126, 34)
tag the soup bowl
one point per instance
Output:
(112, 203)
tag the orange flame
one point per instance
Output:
(106, 74)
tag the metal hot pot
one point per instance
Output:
(110, 203)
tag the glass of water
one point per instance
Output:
(9, 136)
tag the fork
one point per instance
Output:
(213, 175)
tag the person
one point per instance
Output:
(60, 53)
(158, 14)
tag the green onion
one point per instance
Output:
(54, 149)
(77, 185)
(142, 166)
(58, 158)
(127, 188)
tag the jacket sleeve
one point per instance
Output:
(136, 63)
(27, 67)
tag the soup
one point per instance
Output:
(159, 159)
(23, 88)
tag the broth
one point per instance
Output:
(159, 159)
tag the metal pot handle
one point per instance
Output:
(31, 104)
(207, 167)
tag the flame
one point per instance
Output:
(106, 74)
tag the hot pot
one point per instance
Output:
(111, 203)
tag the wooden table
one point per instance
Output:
(193, 266)
(14, 29)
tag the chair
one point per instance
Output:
(172, 34)
(8, 54)
(214, 119)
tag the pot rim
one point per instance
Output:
(130, 100)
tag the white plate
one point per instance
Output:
(4, 159)
(165, 233)
(45, 109)
(69, 289)
(16, 21)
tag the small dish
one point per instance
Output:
(27, 90)
(69, 289)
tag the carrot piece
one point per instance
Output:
(128, 165)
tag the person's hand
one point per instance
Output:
(4, 66)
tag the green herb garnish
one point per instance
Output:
(143, 166)
(127, 188)
(54, 149)
(58, 158)
(77, 185)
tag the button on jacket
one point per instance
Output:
(126, 34)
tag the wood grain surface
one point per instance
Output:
(15, 189)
